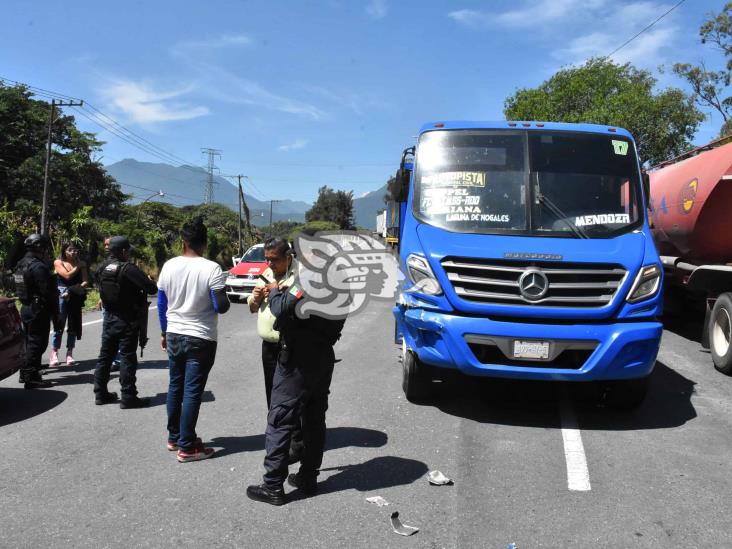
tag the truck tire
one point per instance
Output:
(626, 394)
(720, 333)
(416, 382)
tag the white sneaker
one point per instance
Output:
(69, 359)
(53, 360)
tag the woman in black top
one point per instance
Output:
(72, 279)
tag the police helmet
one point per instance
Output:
(37, 242)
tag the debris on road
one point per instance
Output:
(401, 529)
(436, 478)
(378, 500)
(511, 546)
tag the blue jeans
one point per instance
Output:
(190, 360)
(63, 313)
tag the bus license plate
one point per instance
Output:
(536, 350)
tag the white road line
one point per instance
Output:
(102, 319)
(578, 476)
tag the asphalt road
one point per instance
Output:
(79, 475)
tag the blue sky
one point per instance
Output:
(299, 95)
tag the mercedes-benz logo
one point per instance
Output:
(533, 284)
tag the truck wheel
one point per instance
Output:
(626, 394)
(720, 333)
(416, 383)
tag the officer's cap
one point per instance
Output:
(119, 243)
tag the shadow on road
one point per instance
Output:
(336, 437)
(668, 404)
(536, 404)
(19, 404)
(374, 474)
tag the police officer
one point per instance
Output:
(123, 289)
(299, 394)
(36, 289)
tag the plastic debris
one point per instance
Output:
(512, 546)
(436, 478)
(378, 500)
(401, 529)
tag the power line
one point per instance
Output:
(308, 165)
(616, 50)
(109, 124)
(208, 195)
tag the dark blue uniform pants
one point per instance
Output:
(299, 394)
(270, 351)
(120, 335)
(37, 330)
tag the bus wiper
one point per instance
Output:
(561, 216)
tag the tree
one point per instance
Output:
(314, 226)
(335, 206)
(710, 87)
(602, 92)
(80, 192)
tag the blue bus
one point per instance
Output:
(528, 255)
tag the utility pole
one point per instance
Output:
(270, 215)
(54, 103)
(208, 194)
(240, 196)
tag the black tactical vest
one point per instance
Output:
(22, 288)
(110, 289)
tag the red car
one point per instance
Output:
(243, 277)
(12, 341)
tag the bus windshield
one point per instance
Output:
(553, 183)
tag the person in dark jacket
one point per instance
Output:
(124, 289)
(299, 394)
(36, 290)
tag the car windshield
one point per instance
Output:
(581, 185)
(254, 255)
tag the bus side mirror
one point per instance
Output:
(646, 186)
(402, 177)
(403, 174)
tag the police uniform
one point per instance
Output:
(123, 288)
(300, 389)
(265, 325)
(38, 295)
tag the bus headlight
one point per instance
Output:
(646, 284)
(421, 275)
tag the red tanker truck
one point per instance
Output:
(691, 212)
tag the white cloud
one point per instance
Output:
(187, 47)
(377, 9)
(537, 13)
(145, 105)
(620, 25)
(228, 87)
(471, 18)
(297, 144)
(531, 14)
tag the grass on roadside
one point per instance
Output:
(92, 300)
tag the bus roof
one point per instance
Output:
(522, 125)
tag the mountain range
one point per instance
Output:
(184, 185)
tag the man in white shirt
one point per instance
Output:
(191, 294)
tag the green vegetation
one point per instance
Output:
(85, 204)
(333, 206)
(602, 92)
(710, 87)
